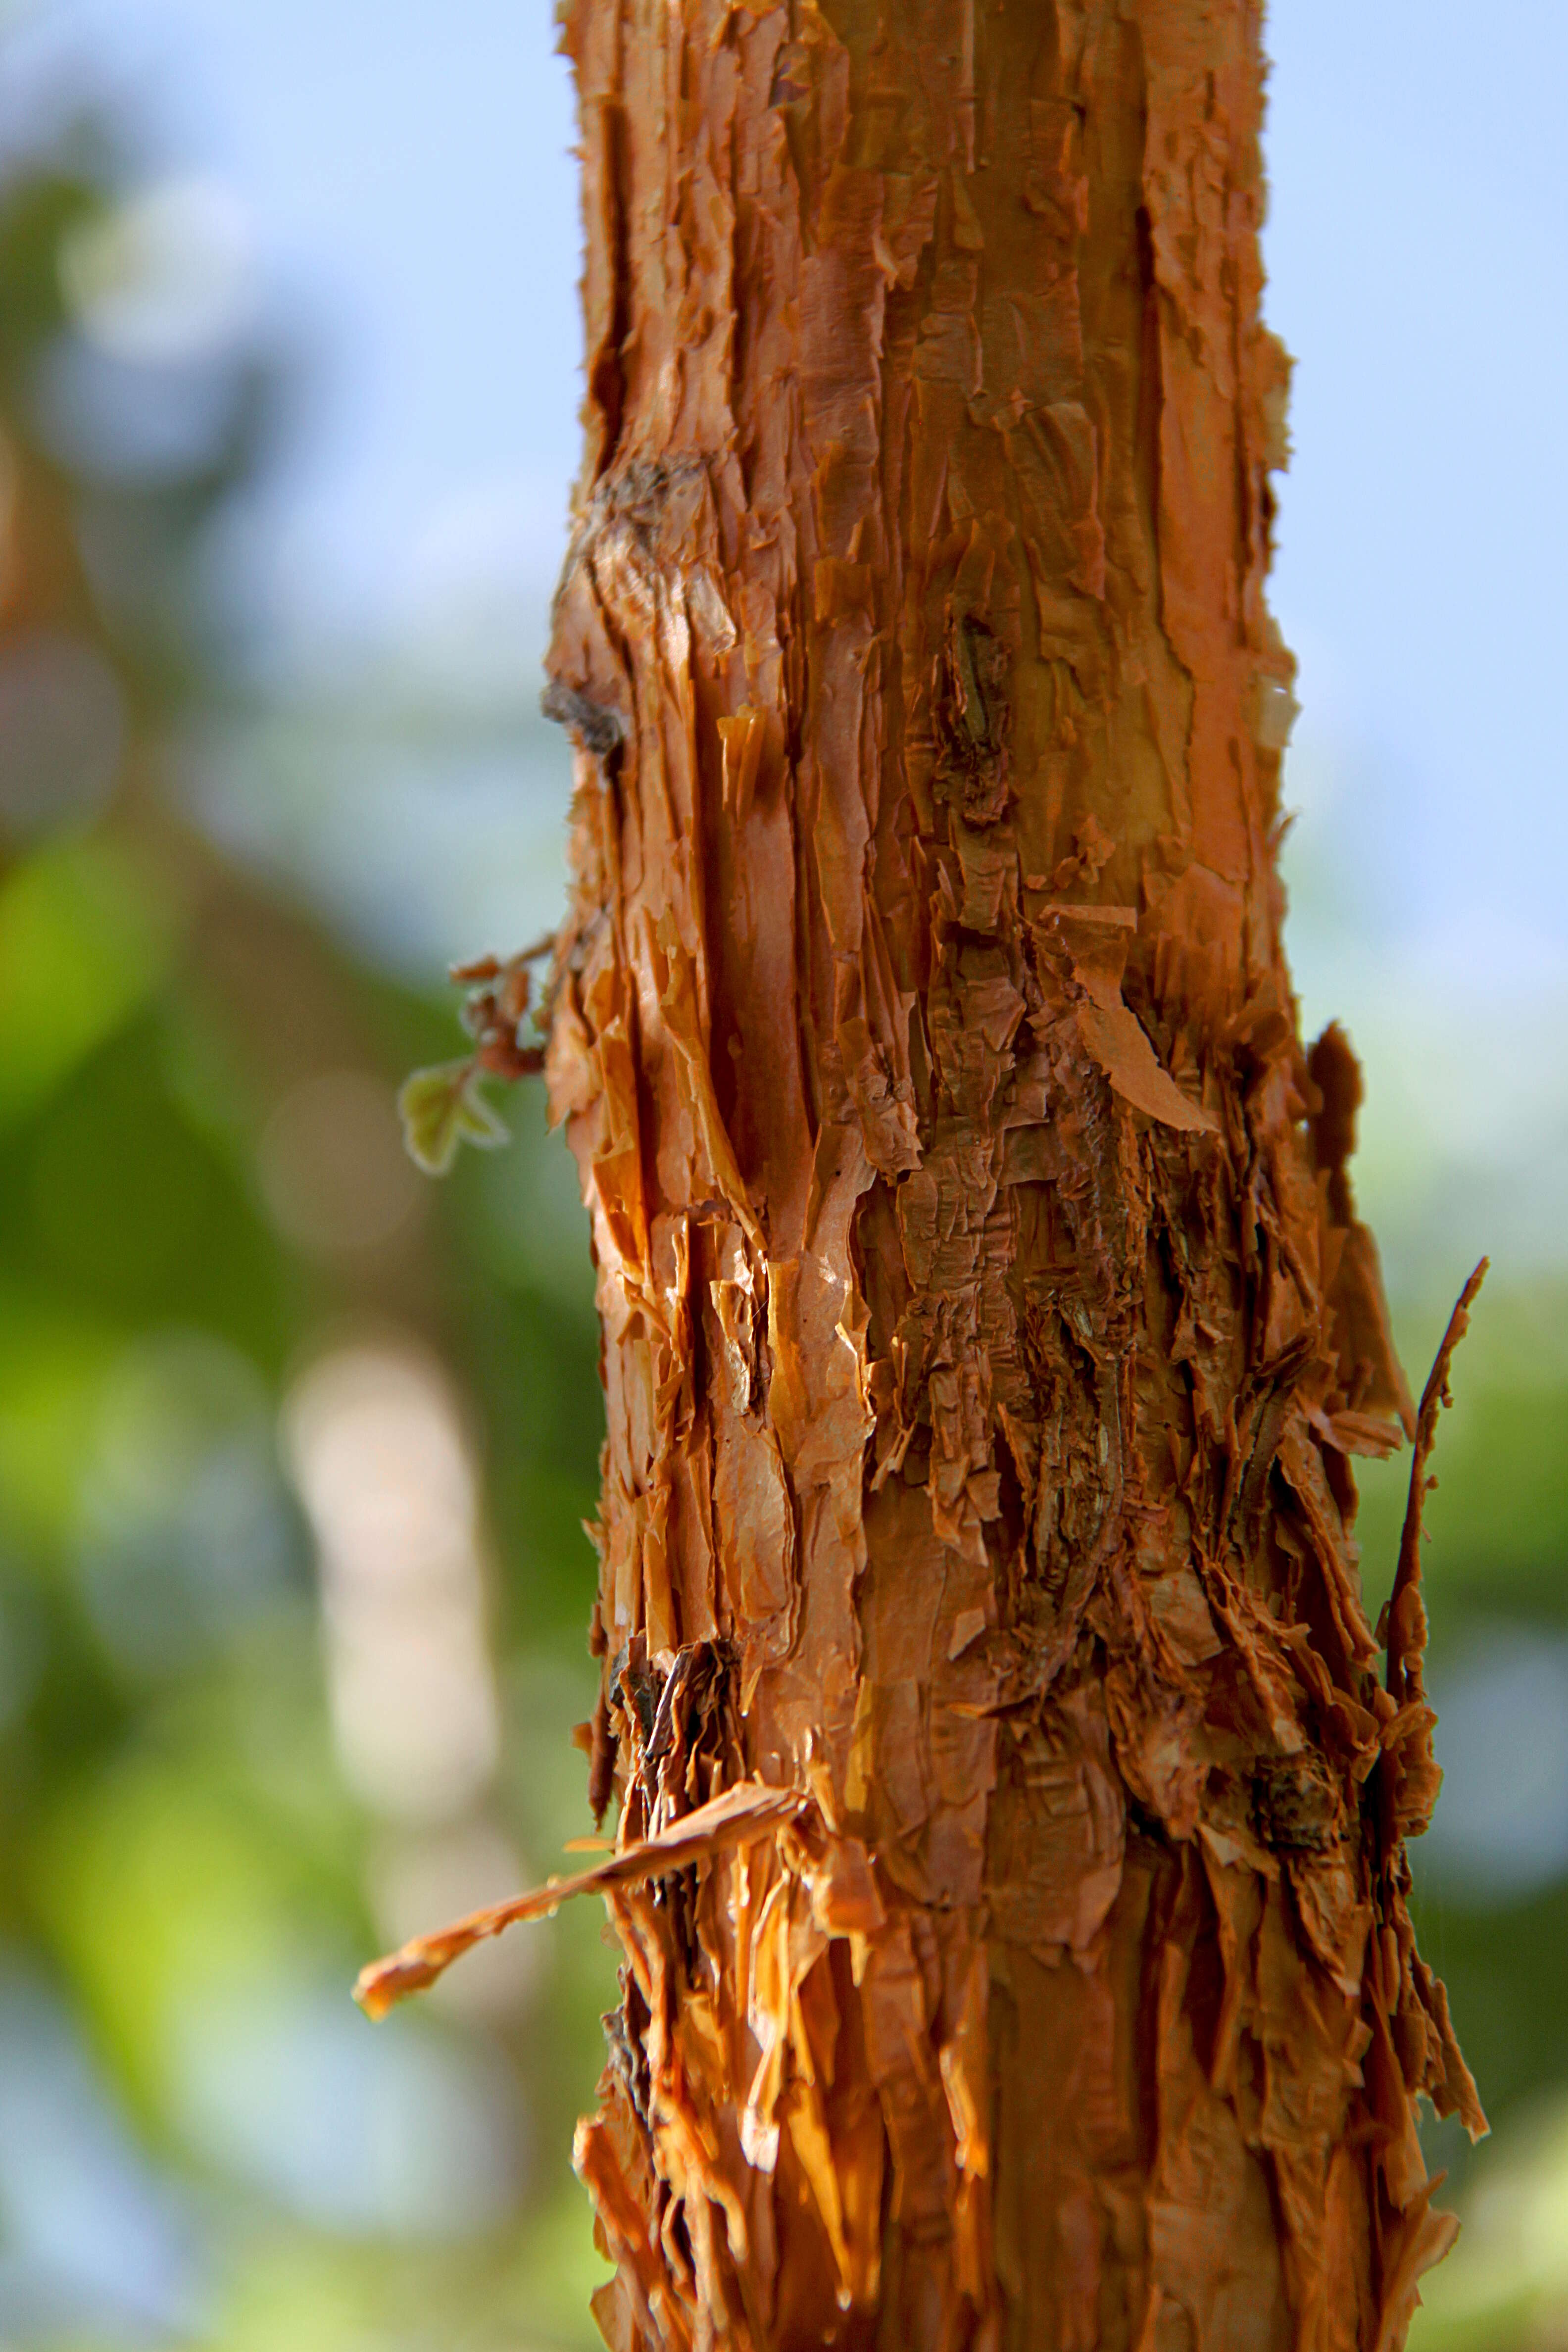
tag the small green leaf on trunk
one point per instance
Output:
(443, 1108)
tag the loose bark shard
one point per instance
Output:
(987, 1327)
(739, 1815)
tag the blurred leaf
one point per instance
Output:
(443, 1108)
(111, 1201)
(556, 2270)
(84, 941)
(522, 1212)
(1502, 1964)
(156, 1883)
(53, 1365)
(37, 217)
(1505, 2288)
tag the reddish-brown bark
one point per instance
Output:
(987, 1328)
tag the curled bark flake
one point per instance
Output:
(738, 1816)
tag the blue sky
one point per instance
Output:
(1418, 270)
(410, 189)
(406, 168)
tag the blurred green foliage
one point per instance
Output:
(199, 2137)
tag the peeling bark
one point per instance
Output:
(987, 1327)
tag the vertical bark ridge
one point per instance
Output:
(987, 1327)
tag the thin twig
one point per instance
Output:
(1407, 1616)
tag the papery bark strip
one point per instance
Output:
(988, 1329)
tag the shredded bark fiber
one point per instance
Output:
(987, 1327)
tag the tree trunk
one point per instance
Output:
(986, 1323)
